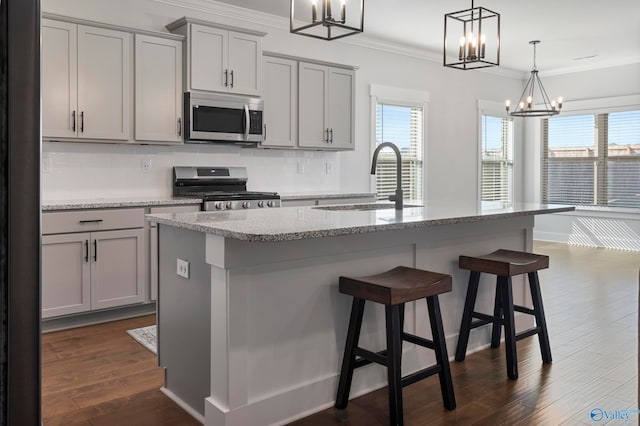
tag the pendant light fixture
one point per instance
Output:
(534, 101)
(320, 19)
(472, 38)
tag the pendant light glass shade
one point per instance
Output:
(534, 101)
(327, 19)
(472, 38)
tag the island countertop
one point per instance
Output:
(301, 223)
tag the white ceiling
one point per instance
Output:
(574, 34)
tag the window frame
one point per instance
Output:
(497, 109)
(400, 97)
(585, 107)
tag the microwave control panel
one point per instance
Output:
(255, 118)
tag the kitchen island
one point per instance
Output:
(252, 329)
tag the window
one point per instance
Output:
(497, 160)
(592, 159)
(401, 125)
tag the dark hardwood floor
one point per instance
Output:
(100, 376)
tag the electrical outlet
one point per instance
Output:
(329, 167)
(46, 165)
(146, 165)
(182, 268)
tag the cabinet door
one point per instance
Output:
(313, 106)
(281, 99)
(341, 108)
(245, 63)
(158, 85)
(117, 268)
(103, 83)
(209, 55)
(65, 274)
(59, 79)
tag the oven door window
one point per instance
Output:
(218, 120)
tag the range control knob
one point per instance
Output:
(218, 206)
(228, 205)
(246, 204)
(271, 203)
(260, 203)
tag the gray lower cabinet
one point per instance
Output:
(66, 274)
(96, 269)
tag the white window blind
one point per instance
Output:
(401, 125)
(623, 159)
(497, 160)
(592, 159)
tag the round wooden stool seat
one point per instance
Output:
(398, 285)
(506, 263)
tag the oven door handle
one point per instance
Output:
(247, 122)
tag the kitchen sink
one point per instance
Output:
(362, 207)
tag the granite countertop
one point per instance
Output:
(287, 196)
(104, 203)
(299, 223)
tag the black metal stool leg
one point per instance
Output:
(349, 358)
(394, 364)
(401, 309)
(496, 331)
(543, 336)
(509, 326)
(440, 347)
(467, 316)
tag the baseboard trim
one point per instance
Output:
(92, 318)
(180, 403)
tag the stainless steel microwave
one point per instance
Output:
(212, 117)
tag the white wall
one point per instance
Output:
(605, 227)
(89, 171)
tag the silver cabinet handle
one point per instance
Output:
(232, 79)
(82, 121)
(331, 136)
(179, 126)
(264, 136)
(226, 78)
(73, 121)
(326, 131)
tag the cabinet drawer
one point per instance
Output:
(91, 220)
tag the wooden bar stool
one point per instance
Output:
(504, 264)
(393, 289)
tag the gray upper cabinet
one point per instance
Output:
(221, 58)
(326, 106)
(158, 89)
(86, 82)
(281, 102)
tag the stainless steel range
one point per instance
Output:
(221, 188)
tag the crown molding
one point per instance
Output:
(631, 60)
(224, 10)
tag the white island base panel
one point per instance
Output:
(258, 330)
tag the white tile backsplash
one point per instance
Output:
(83, 170)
